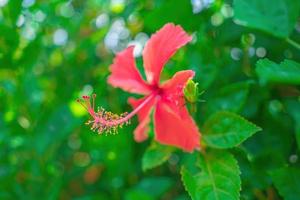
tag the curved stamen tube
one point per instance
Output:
(105, 121)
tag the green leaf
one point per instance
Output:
(287, 182)
(156, 155)
(12, 11)
(149, 188)
(277, 17)
(137, 195)
(293, 108)
(286, 72)
(231, 98)
(226, 130)
(58, 127)
(164, 13)
(219, 178)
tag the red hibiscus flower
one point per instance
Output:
(172, 123)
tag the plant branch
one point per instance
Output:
(293, 43)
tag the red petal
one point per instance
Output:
(173, 90)
(160, 47)
(124, 73)
(140, 133)
(176, 130)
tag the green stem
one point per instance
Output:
(293, 43)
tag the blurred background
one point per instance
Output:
(52, 52)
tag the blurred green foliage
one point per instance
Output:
(246, 59)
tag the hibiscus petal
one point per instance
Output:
(176, 130)
(140, 133)
(160, 47)
(125, 75)
(173, 90)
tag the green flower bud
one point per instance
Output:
(191, 91)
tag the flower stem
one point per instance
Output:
(293, 43)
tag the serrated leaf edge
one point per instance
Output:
(163, 160)
(241, 118)
(238, 169)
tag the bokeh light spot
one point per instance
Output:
(9, 116)
(87, 90)
(81, 159)
(28, 3)
(102, 20)
(29, 32)
(293, 158)
(76, 109)
(56, 58)
(199, 5)
(117, 6)
(20, 21)
(261, 52)
(275, 106)
(92, 174)
(16, 141)
(217, 19)
(227, 11)
(3, 3)
(39, 16)
(236, 53)
(24, 122)
(111, 155)
(66, 10)
(74, 142)
(60, 37)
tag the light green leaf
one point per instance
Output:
(156, 155)
(287, 182)
(226, 130)
(189, 182)
(277, 18)
(219, 178)
(231, 98)
(286, 72)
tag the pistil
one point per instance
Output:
(108, 122)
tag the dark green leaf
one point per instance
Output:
(164, 13)
(277, 17)
(219, 178)
(226, 130)
(156, 155)
(57, 128)
(293, 108)
(137, 195)
(286, 72)
(287, 182)
(149, 188)
(231, 98)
